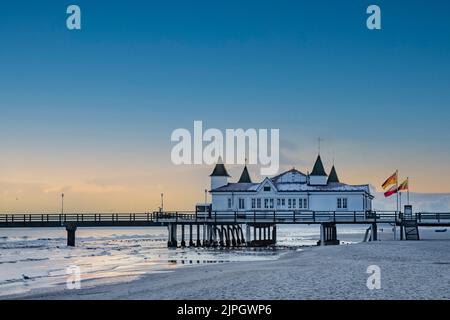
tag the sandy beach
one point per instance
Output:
(409, 270)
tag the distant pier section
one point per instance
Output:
(231, 229)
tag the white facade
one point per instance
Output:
(293, 190)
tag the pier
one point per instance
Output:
(226, 229)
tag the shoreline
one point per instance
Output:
(330, 272)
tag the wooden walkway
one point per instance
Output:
(165, 218)
(226, 228)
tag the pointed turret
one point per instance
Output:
(219, 170)
(333, 177)
(318, 169)
(318, 176)
(245, 177)
(219, 176)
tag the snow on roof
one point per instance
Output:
(292, 181)
(238, 187)
(332, 186)
(292, 187)
(292, 172)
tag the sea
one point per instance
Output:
(36, 258)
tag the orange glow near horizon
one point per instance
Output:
(137, 190)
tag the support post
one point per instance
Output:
(191, 242)
(210, 235)
(242, 234)
(238, 238)
(322, 234)
(204, 235)
(374, 233)
(228, 239)
(183, 242)
(172, 243)
(214, 228)
(198, 236)
(169, 235)
(71, 228)
(401, 229)
(220, 230)
(328, 234)
(232, 239)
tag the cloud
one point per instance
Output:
(290, 154)
(421, 202)
(57, 189)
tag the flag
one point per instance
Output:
(390, 181)
(391, 191)
(403, 186)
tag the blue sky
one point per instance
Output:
(104, 100)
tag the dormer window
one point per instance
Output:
(267, 188)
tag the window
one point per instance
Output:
(253, 203)
(303, 203)
(278, 202)
(283, 202)
(267, 188)
(342, 203)
(271, 203)
(258, 203)
(294, 203)
(266, 203)
(241, 203)
(289, 203)
(230, 204)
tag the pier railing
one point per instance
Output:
(223, 217)
(432, 217)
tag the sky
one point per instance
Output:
(89, 112)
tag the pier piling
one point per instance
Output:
(191, 242)
(198, 236)
(328, 234)
(71, 228)
(374, 232)
(172, 243)
(183, 242)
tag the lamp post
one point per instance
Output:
(62, 203)
(206, 204)
(162, 202)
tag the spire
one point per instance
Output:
(245, 177)
(219, 170)
(318, 169)
(318, 145)
(333, 176)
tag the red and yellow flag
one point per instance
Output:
(390, 181)
(391, 191)
(403, 186)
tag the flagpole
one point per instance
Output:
(396, 171)
(396, 184)
(407, 179)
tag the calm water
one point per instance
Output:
(36, 258)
